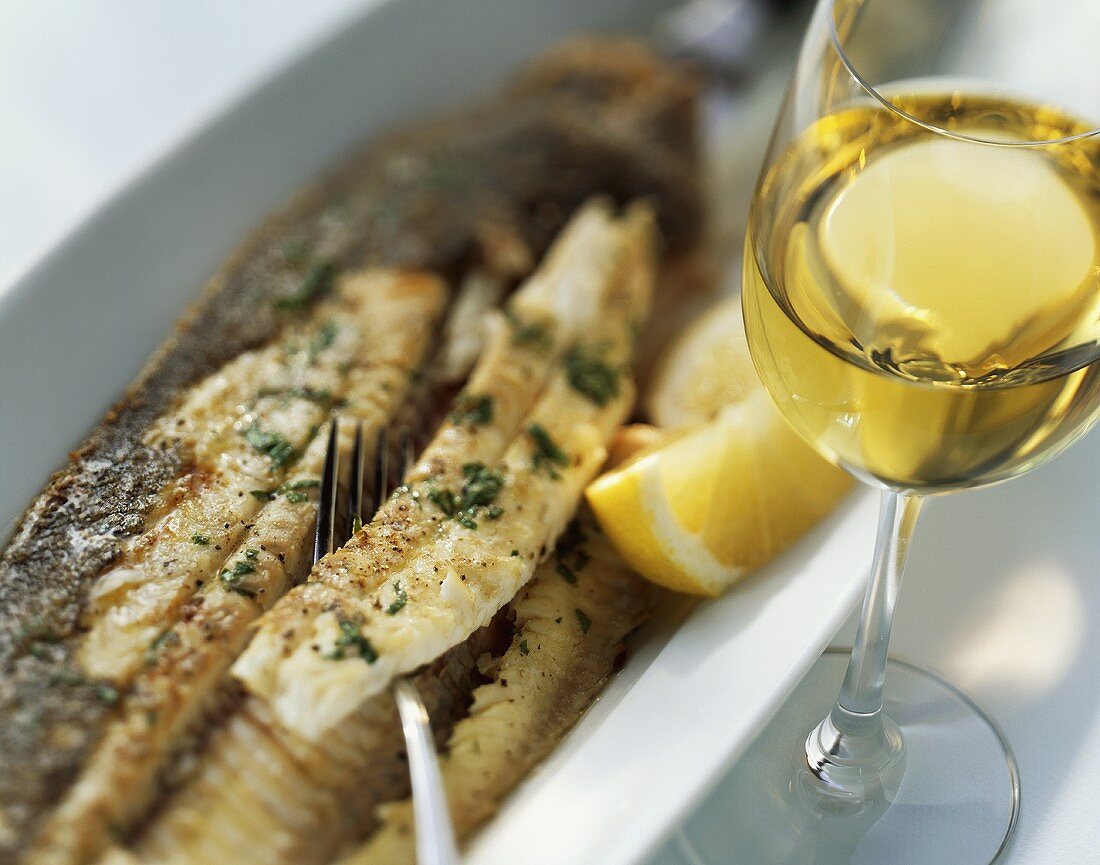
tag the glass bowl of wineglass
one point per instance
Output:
(922, 301)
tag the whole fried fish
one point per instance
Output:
(128, 587)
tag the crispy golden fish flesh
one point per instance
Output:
(545, 434)
(571, 621)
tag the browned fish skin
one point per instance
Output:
(475, 187)
(387, 319)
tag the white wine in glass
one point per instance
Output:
(922, 301)
(925, 309)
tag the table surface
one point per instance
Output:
(1000, 596)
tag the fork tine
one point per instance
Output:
(326, 510)
(405, 447)
(381, 469)
(435, 840)
(356, 516)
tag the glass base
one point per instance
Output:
(957, 801)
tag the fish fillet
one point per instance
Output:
(469, 569)
(406, 535)
(571, 621)
(183, 664)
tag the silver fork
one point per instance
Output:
(435, 837)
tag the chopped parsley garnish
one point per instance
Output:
(571, 557)
(400, 599)
(444, 499)
(591, 375)
(515, 552)
(528, 333)
(231, 577)
(103, 693)
(251, 554)
(351, 641)
(201, 540)
(272, 443)
(494, 512)
(299, 484)
(67, 677)
(356, 524)
(167, 637)
(479, 489)
(322, 339)
(39, 650)
(320, 396)
(473, 409)
(107, 694)
(523, 649)
(482, 485)
(547, 453)
(292, 490)
(317, 281)
(583, 620)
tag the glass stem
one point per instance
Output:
(856, 753)
(861, 693)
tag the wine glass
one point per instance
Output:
(922, 301)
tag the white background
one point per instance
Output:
(90, 93)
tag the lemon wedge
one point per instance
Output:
(705, 369)
(701, 508)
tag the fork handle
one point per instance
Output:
(435, 837)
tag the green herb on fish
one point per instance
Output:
(320, 396)
(479, 489)
(528, 333)
(317, 281)
(271, 443)
(591, 375)
(322, 339)
(231, 577)
(107, 694)
(571, 556)
(167, 637)
(400, 599)
(291, 490)
(477, 410)
(547, 453)
(350, 641)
